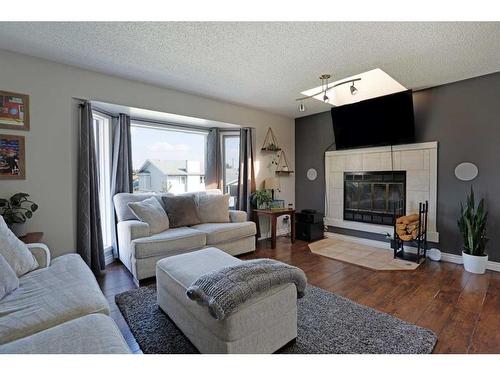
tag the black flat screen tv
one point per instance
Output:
(386, 120)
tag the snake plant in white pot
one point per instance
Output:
(472, 225)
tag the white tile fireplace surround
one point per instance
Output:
(419, 160)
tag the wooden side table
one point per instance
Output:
(273, 216)
(33, 237)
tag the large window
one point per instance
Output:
(102, 134)
(231, 161)
(167, 159)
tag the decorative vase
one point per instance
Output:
(19, 229)
(475, 263)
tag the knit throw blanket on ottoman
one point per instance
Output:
(224, 290)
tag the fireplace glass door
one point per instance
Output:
(372, 197)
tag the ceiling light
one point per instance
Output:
(325, 88)
(354, 90)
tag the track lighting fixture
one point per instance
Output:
(325, 88)
(354, 90)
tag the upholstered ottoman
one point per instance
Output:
(262, 324)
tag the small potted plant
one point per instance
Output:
(261, 199)
(472, 225)
(16, 211)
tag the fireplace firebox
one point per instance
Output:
(373, 197)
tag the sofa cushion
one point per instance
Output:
(151, 211)
(223, 232)
(50, 296)
(213, 208)
(181, 210)
(8, 278)
(90, 334)
(15, 251)
(169, 241)
(121, 201)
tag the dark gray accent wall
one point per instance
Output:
(313, 135)
(464, 117)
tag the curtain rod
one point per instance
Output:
(173, 124)
(158, 122)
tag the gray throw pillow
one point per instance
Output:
(8, 278)
(213, 208)
(15, 251)
(181, 210)
(151, 212)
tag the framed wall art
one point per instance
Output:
(14, 111)
(12, 157)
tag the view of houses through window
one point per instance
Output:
(167, 160)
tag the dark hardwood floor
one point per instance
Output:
(461, 308)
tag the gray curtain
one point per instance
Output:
(246, 171)
(121, 171)
(213, 163)
(89, 235)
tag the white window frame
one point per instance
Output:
(223, 136)
(103, 142)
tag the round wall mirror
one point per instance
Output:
(466, 171)
(312, 174)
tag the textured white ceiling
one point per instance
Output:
(263, 65)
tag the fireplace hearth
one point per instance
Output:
(372, 197)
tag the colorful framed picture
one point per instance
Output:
(12, 157)
(14, 111)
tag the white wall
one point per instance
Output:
(51, 144)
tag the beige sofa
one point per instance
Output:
(58, 308)
(139, 251)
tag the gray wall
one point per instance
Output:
(464, 117)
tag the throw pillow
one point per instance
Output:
(181, 210)
(15, 251)
(213, 208)
(151, 212)
(8, 278)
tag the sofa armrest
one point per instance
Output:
(237, 216)
(41, 253)
(133, 229)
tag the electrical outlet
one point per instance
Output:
(286, 218)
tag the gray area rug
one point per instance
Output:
(327, 324)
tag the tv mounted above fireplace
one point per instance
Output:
(383, 121)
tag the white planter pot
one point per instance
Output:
(19, 229)
(474, 263)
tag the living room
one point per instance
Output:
(249, 187)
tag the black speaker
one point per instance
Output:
(309, 231)
(309, 225)
(309, 216)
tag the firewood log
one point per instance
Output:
(406, 237)
(407, 219)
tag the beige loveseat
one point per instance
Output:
(139, 251)
(58, 308)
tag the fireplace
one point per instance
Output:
(372, 197)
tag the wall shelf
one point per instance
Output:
(270, 142)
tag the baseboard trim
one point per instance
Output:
(445, 257)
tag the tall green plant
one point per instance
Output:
(472, 225)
